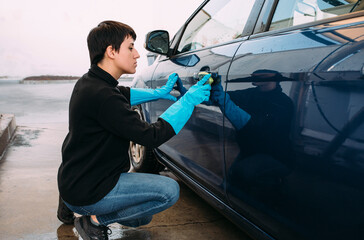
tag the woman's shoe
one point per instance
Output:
(64, 214)
(89, 231)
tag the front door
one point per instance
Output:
(209, 42)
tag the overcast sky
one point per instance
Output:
(41, 37)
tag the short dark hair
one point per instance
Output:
(105, 34)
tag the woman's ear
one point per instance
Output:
(110, 52)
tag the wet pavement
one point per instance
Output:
(29, 195)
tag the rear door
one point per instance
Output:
(285, 170)
(208, 43)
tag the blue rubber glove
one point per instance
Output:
(237, 116)
(178, 113)
(180, 88)
(141, 95)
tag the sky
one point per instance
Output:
(41, 37)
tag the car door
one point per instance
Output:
(288, 170)
(208, 43)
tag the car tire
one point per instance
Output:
(142, 159)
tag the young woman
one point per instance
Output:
(93, 178)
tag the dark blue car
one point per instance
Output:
(295, 169)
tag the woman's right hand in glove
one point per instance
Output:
(179, 112)
(199, 92)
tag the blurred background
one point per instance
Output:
(45, 37)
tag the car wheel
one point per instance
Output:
(142, 159)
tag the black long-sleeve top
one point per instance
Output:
(101, 126)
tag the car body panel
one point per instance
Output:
(297, 172)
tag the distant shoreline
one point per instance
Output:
(50, 77)
(42, 79)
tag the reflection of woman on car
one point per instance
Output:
(262, 117)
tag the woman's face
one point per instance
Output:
(126, 58)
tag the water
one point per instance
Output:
(36, 103)
(40, 102)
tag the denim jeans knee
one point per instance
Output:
(134, 200)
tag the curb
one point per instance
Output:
(7, 129)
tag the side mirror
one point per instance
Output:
(157, 42)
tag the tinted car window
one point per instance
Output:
(219, 21)
(290, 13)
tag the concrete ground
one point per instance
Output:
(28, 197)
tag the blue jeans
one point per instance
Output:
(134, 200)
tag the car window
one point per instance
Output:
(294, 12)
(218, 21)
